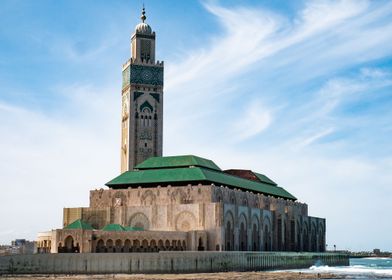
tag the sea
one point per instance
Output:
(359, 268)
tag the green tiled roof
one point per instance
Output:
(113, 227)
(133, 228)
(191, 174)
(265, 179)
(79, 224)
(176, 161)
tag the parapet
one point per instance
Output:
(140, 62)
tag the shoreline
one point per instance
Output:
(266, 275)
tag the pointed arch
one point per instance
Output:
(185, 221)
(255, 227)
(139, 220)
(267, 232)
(229, 231)
(146, 105)
(243, 236)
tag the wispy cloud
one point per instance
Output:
(292, 53)
(254, 120)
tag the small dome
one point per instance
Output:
(143, 28)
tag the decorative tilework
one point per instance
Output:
(150, 75)
(137, 94)
(155, 96)
(126, 77)
(144, 105)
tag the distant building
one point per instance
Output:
(179, 202)
(17, 247)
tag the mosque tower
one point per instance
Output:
(142, 100)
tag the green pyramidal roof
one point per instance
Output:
(176, 161)
(113, 227)
(79, 224)
(183, 170)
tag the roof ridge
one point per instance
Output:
(175, 162)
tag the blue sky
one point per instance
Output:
(298, 90)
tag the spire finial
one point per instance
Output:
(143, 17)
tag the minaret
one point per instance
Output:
(142, 100)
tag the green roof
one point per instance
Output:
(113, 227)
(79, 224)
(176, 161)
(191, 174)
(134, 228)
(265, 179)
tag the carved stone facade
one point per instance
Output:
(199, 217)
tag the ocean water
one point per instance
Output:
(363, 268)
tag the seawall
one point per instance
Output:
(164, 262)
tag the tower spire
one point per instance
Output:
(143, 17)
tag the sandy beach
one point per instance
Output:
(203, 276)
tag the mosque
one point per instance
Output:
(184, 203)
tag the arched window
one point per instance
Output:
(153, 246)
(109, 246)
(145, 50)
(229, 234)
(255, 238)
(267, 236)
(160, 245)
(145, 245)
(280, 233)
(201, 246)
(100, 248)
(127, 246)
(69, 246)
(243, 237)
(167, 245)
(243, 234)
(146, 111)
(136, 246)
(118, 247)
